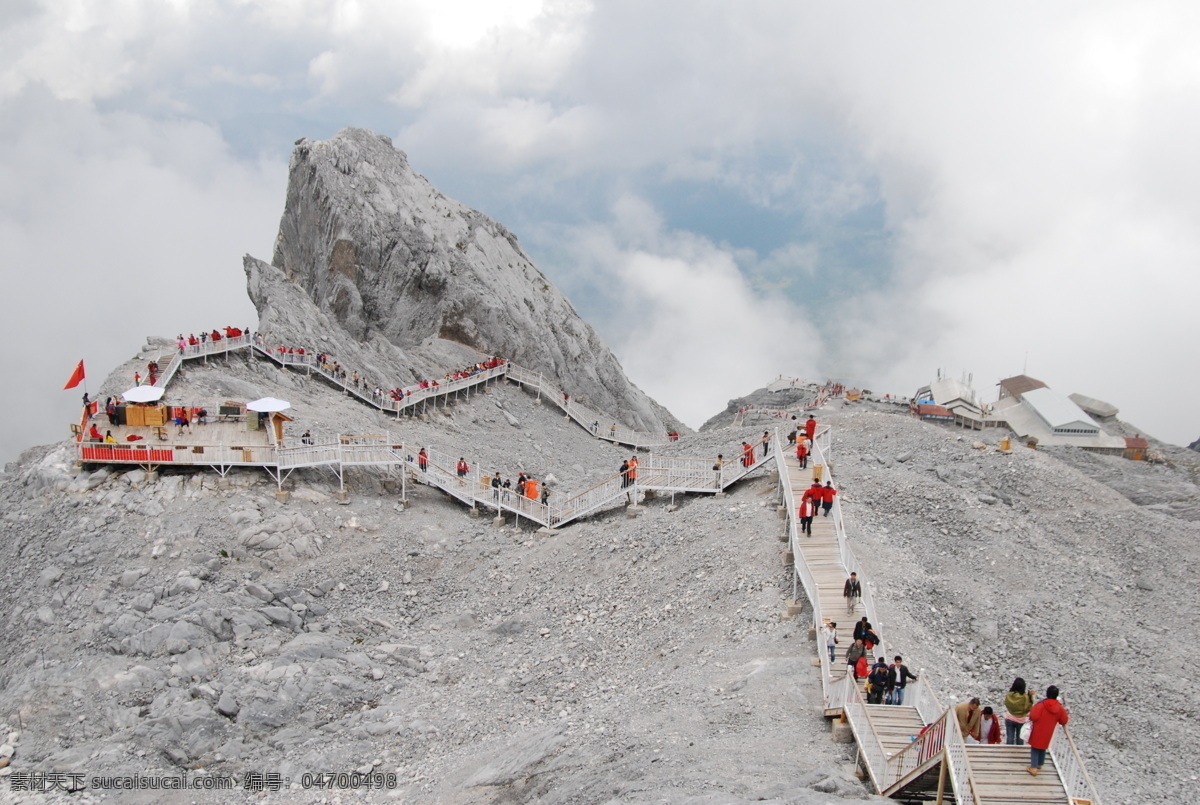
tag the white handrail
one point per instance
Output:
(928, 745)
(1069, 764)
(581, 413)
(959, 766)
(869, 744)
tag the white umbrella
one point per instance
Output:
(269, 404)
(144, 394)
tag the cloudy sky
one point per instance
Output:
(728, 191)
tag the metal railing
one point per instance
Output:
(926, 746)
(366, 392)
(665, 472)
(870, 747)
(582, 414)
(608, 490)
(679, 473)
(943, 736)
(1071, 771)
(834, 693)
(958, 765)
(822, 445)
(203, 349)
(920, 695)
(204, 455)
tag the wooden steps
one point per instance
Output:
(1000, 777)
(997, 772)
(895, 726)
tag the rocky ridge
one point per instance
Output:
(372, 256)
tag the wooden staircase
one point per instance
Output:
(894, 725)
(1000, 777)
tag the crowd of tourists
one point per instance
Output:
(1023, 718)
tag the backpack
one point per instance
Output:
(860, 668)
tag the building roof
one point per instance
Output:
(1019, 384)
(1093, 406)
(928, 409)
(1057, 410)
(1022, 420)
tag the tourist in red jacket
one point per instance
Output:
(806, 510)
(802, 454)
(1046, 715)
(827, 493)
(810, 427)
(815, 493)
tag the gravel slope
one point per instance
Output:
(186, 624)
(992, 565)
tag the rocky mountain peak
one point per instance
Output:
(384, 256)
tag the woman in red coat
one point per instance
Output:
(827, 493)
(1045, 716)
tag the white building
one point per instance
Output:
(953, 395)
(1061, 414)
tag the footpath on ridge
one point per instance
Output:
(437, 469)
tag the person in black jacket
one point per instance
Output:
(877, 682)
(898, 676)
(852, 590)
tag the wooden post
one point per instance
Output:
(941, 789)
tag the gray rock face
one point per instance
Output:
(384, 256)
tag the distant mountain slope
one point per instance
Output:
(385, 257)
(783, 399)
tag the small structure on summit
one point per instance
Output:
(1136, 448)
(953, 394)
(932, 413)
(1031, 410)
(955, 398)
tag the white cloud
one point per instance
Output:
(691, 333)
(1034, 164)
(1023, 215)
(114, 228)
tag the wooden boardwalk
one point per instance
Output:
(999, 776)
(223, 446)
(901, 757)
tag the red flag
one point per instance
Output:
(76, 377)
